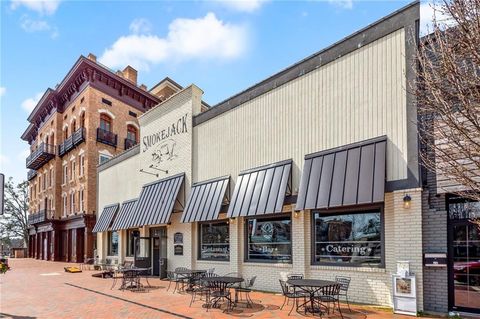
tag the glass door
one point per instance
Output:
(142, 252)
(464, 253)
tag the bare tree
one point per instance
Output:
(14, 222)
(447, 89)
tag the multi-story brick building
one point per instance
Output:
(88, 118)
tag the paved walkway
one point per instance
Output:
(40, 289)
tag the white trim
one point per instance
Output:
(64, 126)
(105, 152)
(133, 124)
(82, 110)
(64, 162)
(81, 152)
(72, 158)
(105, 111)
(73, 119)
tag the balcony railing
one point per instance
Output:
(41, 156)
(78, 136)
(129, 143)
(31, 174)
(74, 140)
(37, 217)
(106, 137)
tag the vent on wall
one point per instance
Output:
(108, 102)
(132, 113)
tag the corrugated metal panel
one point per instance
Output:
(125, 215)
(205, 200)
(350, 175)
(105, 220)
(261, 190)
(156, 201)
(358, 96)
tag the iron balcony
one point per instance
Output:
(41, 156)
(106, 137)
(31, 174)
(73, 141)
(129, 143)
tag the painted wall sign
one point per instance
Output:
(178, 238)
(160, 137)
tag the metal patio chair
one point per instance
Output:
(246, 289)
(330, 295)
(288, 294)
(344, 285)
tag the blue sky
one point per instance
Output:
(223, 47)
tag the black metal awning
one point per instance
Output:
(156, 201)
(349, 175)
(125, 215)
(261, 190)
(205, 200)
(105, 219)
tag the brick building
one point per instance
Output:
(314, 170)
(88, 118)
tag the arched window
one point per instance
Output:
(132, 133)
(74, 126)
(65, 133)
(105, 122)
(82, 120)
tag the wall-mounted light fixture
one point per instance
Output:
(296, 214)
(407, 201)
(232, 220)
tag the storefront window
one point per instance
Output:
(214, 241)
(348, 239)
(269, 239)
(131, 235)
(112, 243)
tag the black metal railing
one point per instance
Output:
(31, 174)
(70, 143)
(78, 136)
(129, 143)
(106, 137)
(39, 157)
(37, 217)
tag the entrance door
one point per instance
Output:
(142, 252)
(464, 253)
(159, 247)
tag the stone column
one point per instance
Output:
(74, 245)
(88, 243)
(54, 253)
(68, 245)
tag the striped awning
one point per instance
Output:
(105, 219)
(349, 175)
(156, 201)
(261, 190)
(125, 215)
(205, 200)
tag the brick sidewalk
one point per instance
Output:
(40, 289)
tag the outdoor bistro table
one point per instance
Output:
(190, 275)
(131, 277)
(222, 283)
(310, 286)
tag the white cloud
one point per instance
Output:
(428, 11)
(32, 25)
(3, 91)
(30, 103)
(344, 4)
(242, 5)
(202, 38)
(47, 7)
(141, 25)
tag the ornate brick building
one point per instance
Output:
(88, 118)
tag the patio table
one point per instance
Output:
(131, 277)
(190, 275)
(310, 286)
(222, 283)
